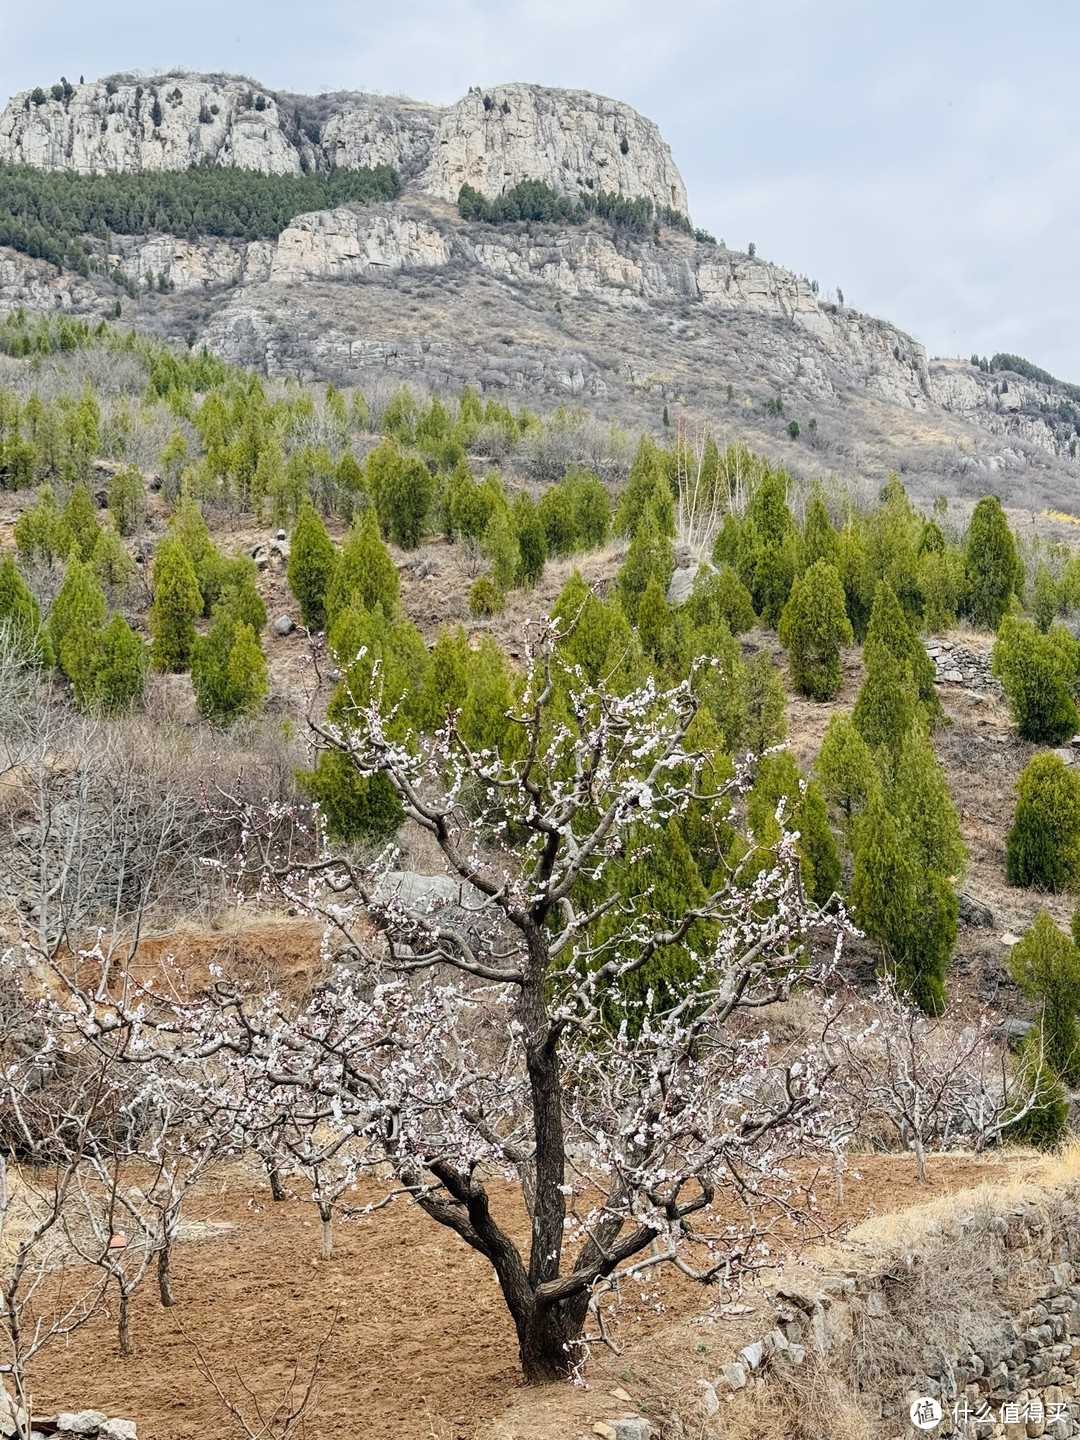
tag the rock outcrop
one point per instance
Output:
(570, 139)
(167, 123)
(354, 244)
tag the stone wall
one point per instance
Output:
(979, 1317)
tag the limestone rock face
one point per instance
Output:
(374, 130)
(109, 127)
(1003, 404)
(571, 139)
(209, 265)
(354, 244)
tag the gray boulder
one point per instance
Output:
(972, 911)
(284, 625)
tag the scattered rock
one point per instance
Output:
(81, 1422)
(284, 625)
(1014, 1031)
(1066, 754)
(753, 1355)
(733, 1376)
(682, 583)
(972, 911)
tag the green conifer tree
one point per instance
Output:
(818, 847)
(1039, 1101)
(1037, 672)
(35, 529)
(489, 696)
(79, 605)
(531, 541)
(1045, 963)
(649, 557)
(77, 530)
(657, 629)
(364, 573)
(819, 538)
(500, 549)
(919, 799)
(107, 667)
(994, 570)
(913, 916)
(766, 705)
(228, 672)
(846, 769)
(311, 565)
(176, 603)
(485, 598)
(1045, 599)
(814, 627)
(1043, 846)
(719, 595)
(127, 500)
(20, 614)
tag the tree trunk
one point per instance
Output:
(920, 1158)
(546, 1345)
(123, 1328)
(277, 1190)
(164, 1277)
(545, 1093)
(326, 1214)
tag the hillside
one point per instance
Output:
(596, 315)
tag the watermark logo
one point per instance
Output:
(925, 1413)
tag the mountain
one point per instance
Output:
(622, 320)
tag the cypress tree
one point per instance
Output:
(364, 573)
(918, 796)
(596, 634)
(107, 667)
(719, 595)
(531, 541)
(913, 916)
(446, 683)
(1045, 964)
(1043, 846)
(485, 598)
(489, 695)
(500, 549)
(21, 614)
(556, 515)
(846, 769)
(656, 627)
(177, 601)
(35, 529)
(813, 628)
(994, 570)
(651, 556)
(311, 565)
(1046, 1124)
(818, 847)
(77, 529)
(1045, 598)
(1037, 672)
(228, 672)
(819, 538)
(354, 807)
(79, 606)
(766, 705)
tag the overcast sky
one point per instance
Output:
(921, 156)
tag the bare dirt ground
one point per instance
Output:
(422, 1345)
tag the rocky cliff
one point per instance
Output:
(571, 139)
(630, 325)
